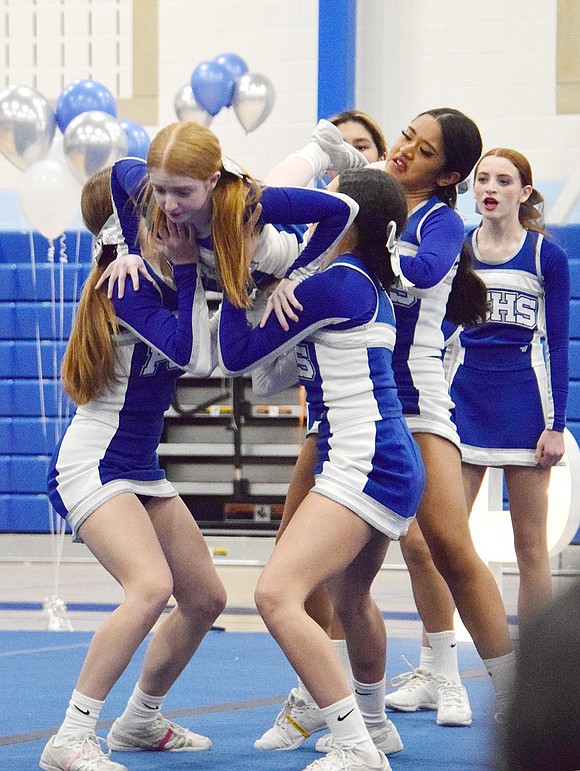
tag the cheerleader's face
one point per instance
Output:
(498, 188)
(416, 159)
(182, 198)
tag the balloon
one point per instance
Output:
(186, 108)
(92, 141)
(82, 96)
(212, 86)
(253, 99)
(235, 65)
(27, 126)
(49, 196)
(138, 139)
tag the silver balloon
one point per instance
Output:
(93, 140)
(187, 108)
(253, 99)
(27, 126)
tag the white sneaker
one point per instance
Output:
(345, 758)
(296, 721)
(160, 735)
(84, 754)
(342, 155)
(417, 690)
(385, 738)
(453, 708)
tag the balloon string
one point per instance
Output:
(54, 327)
(39, 367)
(59, 343)
(57, 524)
(40, 372)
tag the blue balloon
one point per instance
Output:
(137, 138)
(233, 63)
(83, 96)
(213, 86)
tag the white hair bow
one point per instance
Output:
(232, 167)
(109, 235)
(393, 250)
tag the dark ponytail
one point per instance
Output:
(467, 303)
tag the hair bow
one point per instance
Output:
(232, 168)
(393, 250)
(109, 235)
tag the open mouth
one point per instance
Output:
(399, 164)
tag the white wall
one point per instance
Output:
(492, 59)
(276, 37)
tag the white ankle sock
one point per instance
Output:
(342, 652)
(426, 660)
(347, 725)
(370, 698)
(315, 157)
(444, 647)
(501, 670)
(80, 719)
(141, 708)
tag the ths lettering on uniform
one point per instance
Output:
(509, 307)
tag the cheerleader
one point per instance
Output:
(369, 474)
(509, 380)
(436, 151)
(120, 367)
(186, 179)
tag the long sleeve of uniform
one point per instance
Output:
(128, 177)
(333, 212)
(182, 333)
(441, 234)
(276, 376)
(557, 298)
(334, 296)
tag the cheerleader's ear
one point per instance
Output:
(445, 180)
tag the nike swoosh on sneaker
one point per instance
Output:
(149, 705)
(344, 717)
(82, 711)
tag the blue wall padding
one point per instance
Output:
(26, 305)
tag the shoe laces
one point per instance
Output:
(91, 747)
(292, 703)
(337, 758)
(413, 678)
(165, 724)
(450, 694)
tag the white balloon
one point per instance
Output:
(49, 196)
(253, 99)
(93, 140)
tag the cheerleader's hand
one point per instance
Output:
(550, 448)
(179, 243)
(117, 271)
(283, 303)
